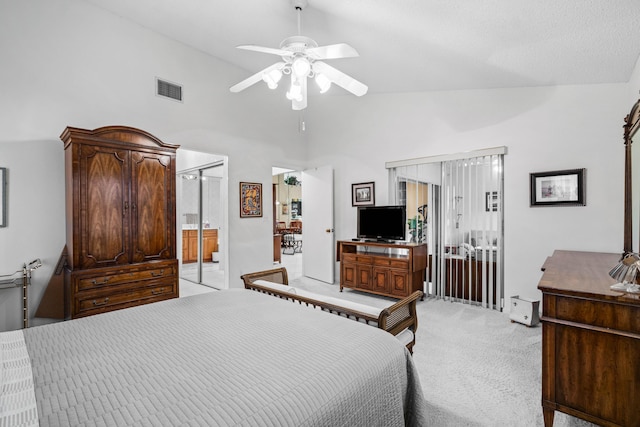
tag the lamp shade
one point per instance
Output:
(323, 82)
(295, 90)
(272, 78)
(301, 66)
(626, 273)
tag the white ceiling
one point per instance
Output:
(417, 45)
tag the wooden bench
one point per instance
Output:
(399, 319)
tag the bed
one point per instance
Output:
(232, 357)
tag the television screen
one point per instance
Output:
(382, 222)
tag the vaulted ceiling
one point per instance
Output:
(417, 45)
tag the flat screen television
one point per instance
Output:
(383, 223)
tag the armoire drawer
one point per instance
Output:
(108, 277)
(88, 303)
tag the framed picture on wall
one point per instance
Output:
(363, 194)
(250, 200)
(491, 201)
(557, 188)
(3, 197)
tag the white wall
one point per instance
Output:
(545, 129)
(36, 221)
(68, 63)
(634, 84)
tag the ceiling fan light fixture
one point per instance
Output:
(302, 59)
(323, 82)
(301, 66)
(272, 78)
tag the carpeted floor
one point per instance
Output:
(477, 368)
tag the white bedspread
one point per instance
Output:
(17, 398)
(218, 359)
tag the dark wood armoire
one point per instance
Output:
(121, 220)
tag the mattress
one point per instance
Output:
(228, 358)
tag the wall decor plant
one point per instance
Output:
(292, 180)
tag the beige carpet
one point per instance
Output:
(476, 367)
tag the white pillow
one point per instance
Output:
(406, 336)
(362, 308)
(275, 286)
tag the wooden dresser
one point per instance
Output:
(590, 341)
(120, 213)
(380, 268)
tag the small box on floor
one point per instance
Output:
(524, 311)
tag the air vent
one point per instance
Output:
(169, 90)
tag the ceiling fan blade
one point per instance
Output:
(255, 78)
(341, 79)
(332, 51)
(263, 49)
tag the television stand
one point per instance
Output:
(372, 267)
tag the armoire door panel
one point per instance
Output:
(104, 204)
(152, 210)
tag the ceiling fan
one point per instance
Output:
(302, 59)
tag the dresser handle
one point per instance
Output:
(104, 281)
(157, 291)
(97, 304)
(155, 274)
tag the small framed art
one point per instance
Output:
(558, 188)
(250, 200)
(491, 201)
(363, 194)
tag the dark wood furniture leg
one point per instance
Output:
(548, 416)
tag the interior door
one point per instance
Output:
(318, 234)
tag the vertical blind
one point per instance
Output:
(455, 205)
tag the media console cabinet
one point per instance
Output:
(590, 341)
(391, 269)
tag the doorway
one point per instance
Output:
(287, 201)
(200, 225)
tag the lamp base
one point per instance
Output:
(631, 288)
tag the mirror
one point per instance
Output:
(632, 181)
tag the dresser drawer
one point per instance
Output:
(358, 258)
(391, 263)
(348, 257)
(107, 277)
(618, 316)
(88, 303)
